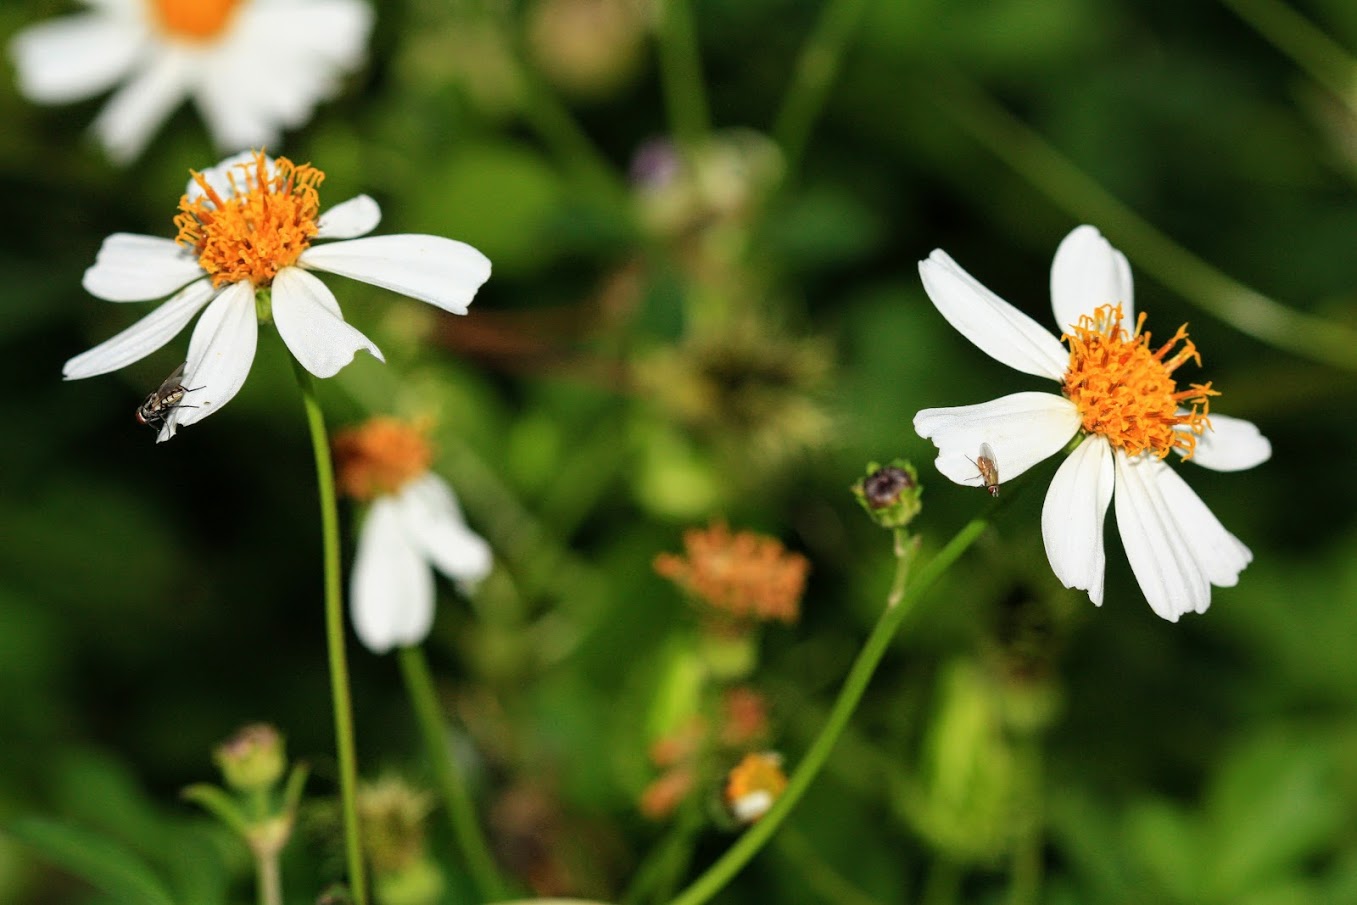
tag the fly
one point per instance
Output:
(989, 468)
(164, 399)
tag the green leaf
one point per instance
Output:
(102, 863)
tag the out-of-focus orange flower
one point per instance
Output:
(746, 717)
(754, 784)
(748, 575)
(666, 793)
(380, 456)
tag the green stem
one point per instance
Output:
(1025, 875)
(1307, 46)
(457, 801)
(334, 637)
(270, 881)
(681, 76)
(816, 69)
(720, 873)
(1069, 188)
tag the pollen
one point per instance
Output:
(1125, 389)
(380, 456)
(747, 575)
(263, 224)
(194, 20)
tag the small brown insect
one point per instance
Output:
(989, 468)
(164, 399)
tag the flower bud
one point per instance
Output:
(890, 493)
(253, 759)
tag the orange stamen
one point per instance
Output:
(263, 225)
(748, 575)
(1126, 392)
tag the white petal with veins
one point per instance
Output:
(1022, 429)
(1073, 514)
(219, 356)
(1157, 547)
(1231, 444)
(997, 328)
(1088, 272)
(309, 321)
(442, 272)
(132, 268)
(350, 219)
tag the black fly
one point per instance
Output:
(165, 399)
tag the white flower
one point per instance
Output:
(248, 225)
(1119, 396)
(252, 67)
(412, 527)
(405, 536)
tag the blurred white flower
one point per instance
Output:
(252, 67)
(248, 225)
(412, 527)
(1120, 399)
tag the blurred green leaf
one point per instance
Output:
(101, 862)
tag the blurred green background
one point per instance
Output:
(647, 356)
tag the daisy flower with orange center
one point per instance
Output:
(250, 237)
(413, 525)
(252, 67)
(1122, 402)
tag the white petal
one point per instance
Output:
(1073, 514)
(1022, 429)
(75, 57)
(1231, 444)
(999, 330)
(439, 271)
(143, 337)
(1159, 551)
(392, 586)
(219, 356)
(433, 520)
(131, 268)
(1088, 272)
(1219, 554)
(349, 220)
(309, 321)
(136, 110)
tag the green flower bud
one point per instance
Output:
(890, 493)
(253, 759)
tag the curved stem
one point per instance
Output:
(345, 750)
(739, 854)
(466, 827)
(1307, 46)
(1073, 190)
(815, 71)
(681, 76)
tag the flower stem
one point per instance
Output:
(457, 801)
(720, 873)
(1073, 190)
(681, 76)
(269, 879)
(815, 71)
(334, 637)
(1307, 46)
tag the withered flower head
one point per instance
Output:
(747, 575)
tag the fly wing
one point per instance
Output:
(173, 382)
(987, 452)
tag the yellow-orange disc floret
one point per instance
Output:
(379, 457)
(745, 574)
(1125, 391)
(195, 20)
(755, 783)
(262, 227)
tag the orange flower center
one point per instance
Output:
(754, 784)
(263, 224)
(196, 20)
(380, 456)
(748, 575)
(1125, 391)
